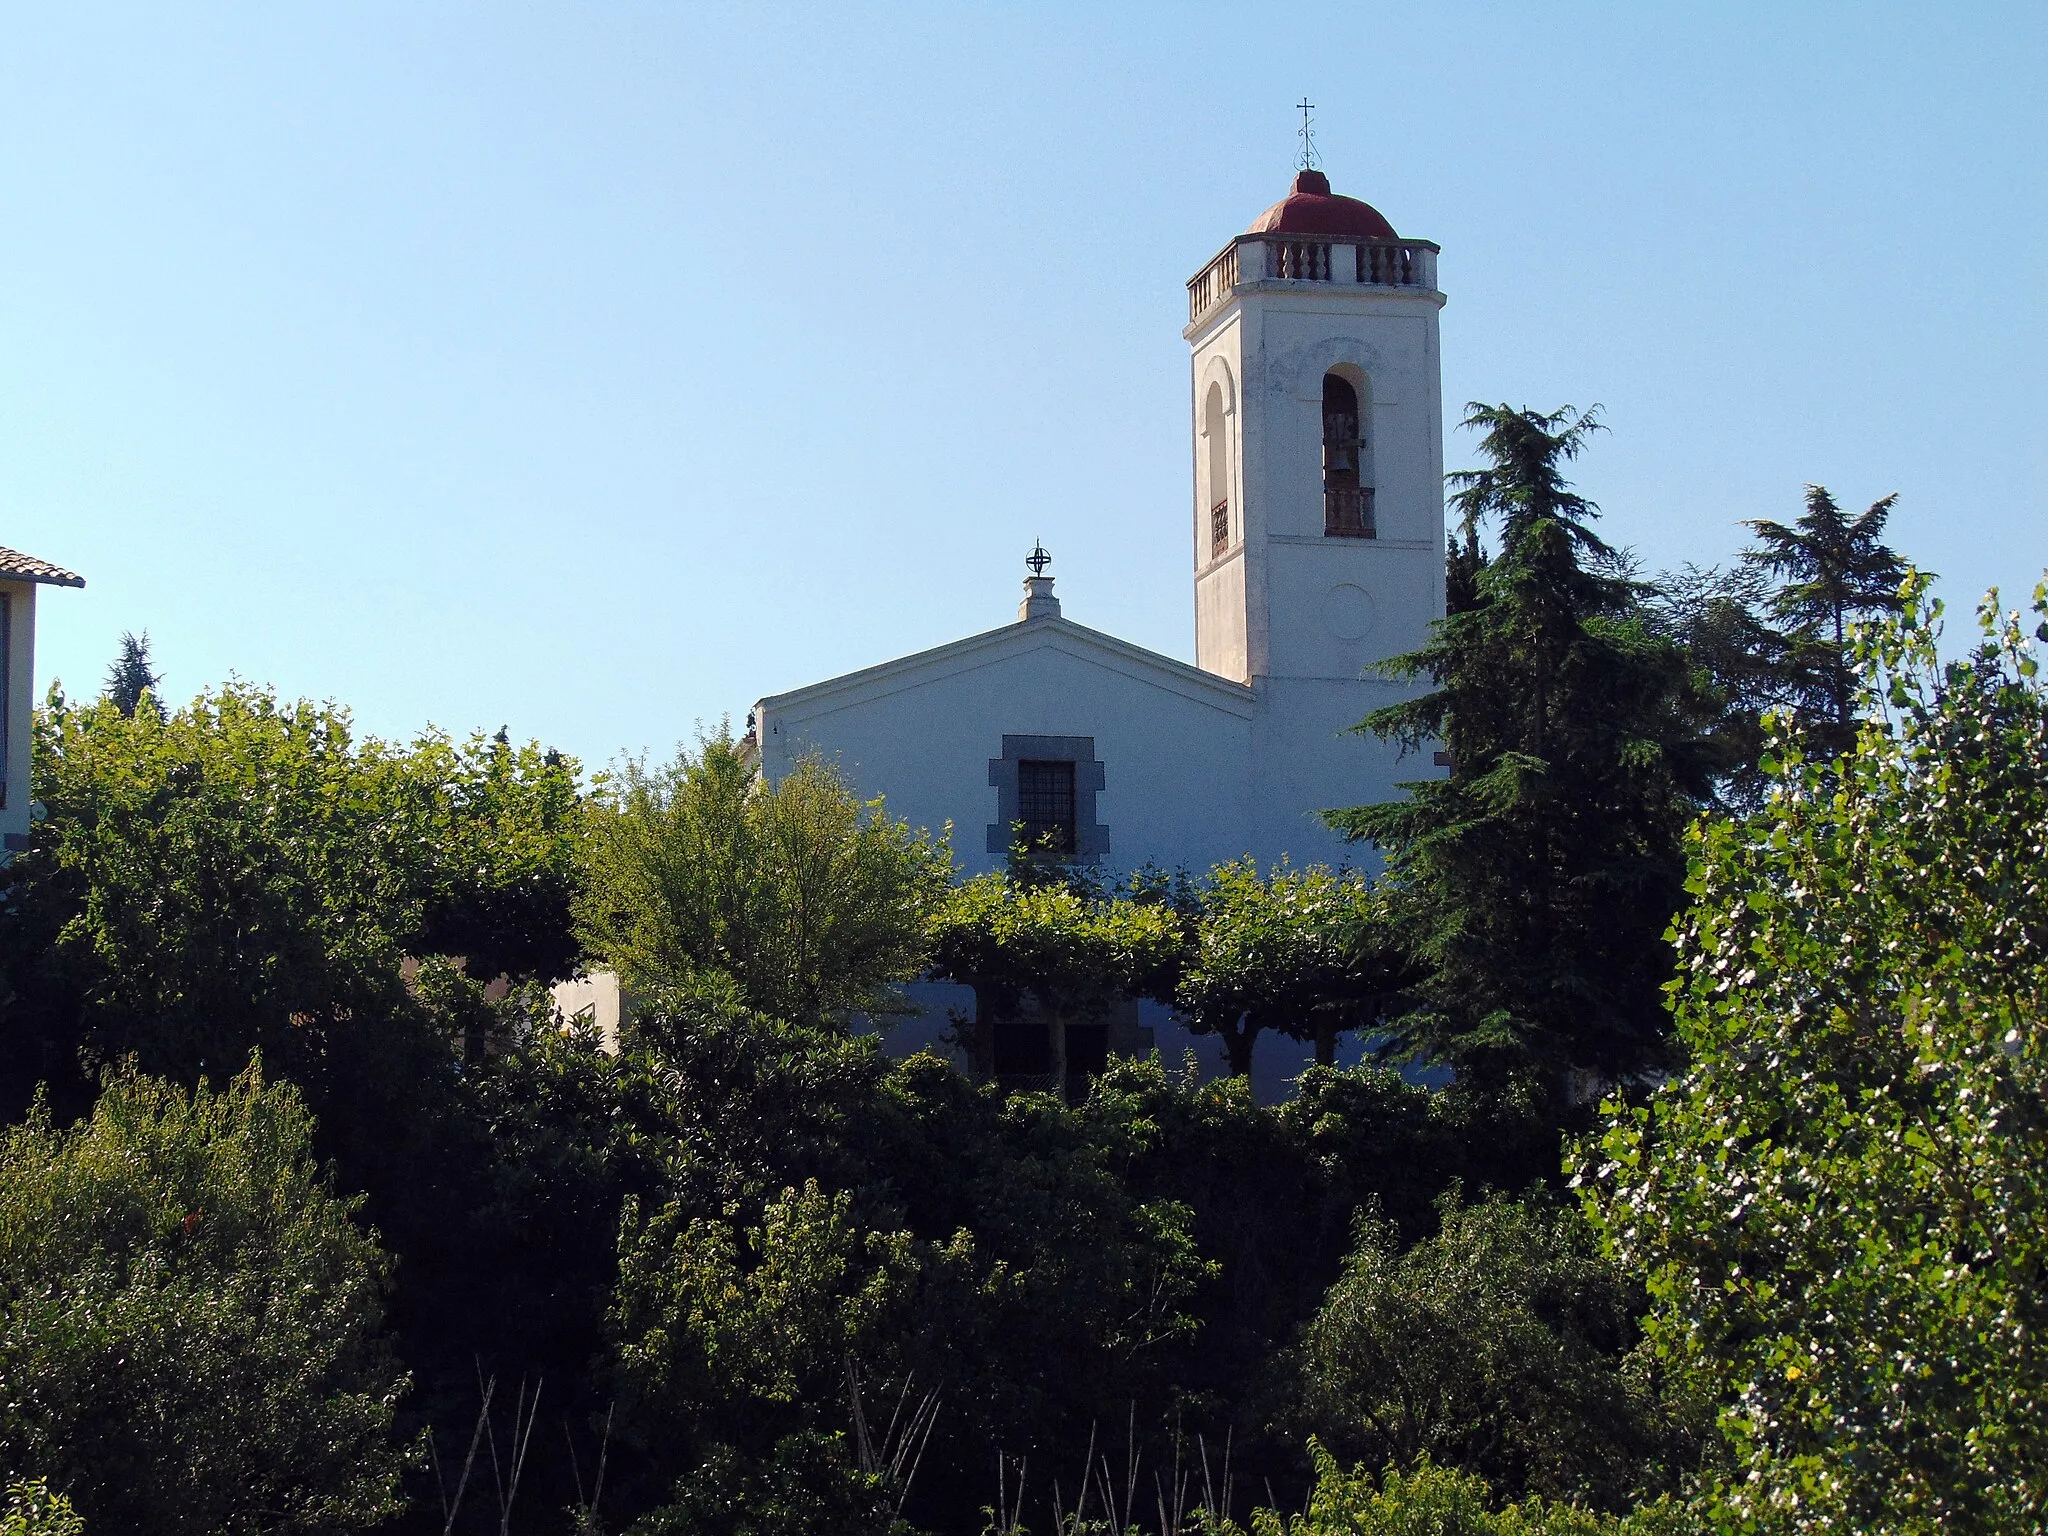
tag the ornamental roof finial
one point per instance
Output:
(1039, 603)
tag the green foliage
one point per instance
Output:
(1309, 952)
(244, 874)
(814, 904)
(1496, 1346)
(807, 1483)
(1074, 950)
(1141, 1258)
(1721, 619)
(819, 1210)
(773, 1312)
(1832, 570)
(190, 1339)
(754, 1325)
(32, 1510)
(1441, 1501)
(1537, 879)
(1840, 1203)
(1775, 634)
(131, 676)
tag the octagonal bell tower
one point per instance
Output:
(1318, 444)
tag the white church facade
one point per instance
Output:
(1316, 530)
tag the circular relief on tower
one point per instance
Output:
(1347, 612)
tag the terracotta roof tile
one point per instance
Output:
(15, 566)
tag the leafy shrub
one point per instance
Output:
(1496, 1346)
(1440, 1501)
(189, 1321)
(247, 874)
(32, 1510)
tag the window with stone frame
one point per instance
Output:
(1047, 786)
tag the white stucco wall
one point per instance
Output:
(20, 705)
(1195, 772)
(1272, 342)
(1174, 743)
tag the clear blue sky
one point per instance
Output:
(597, 368)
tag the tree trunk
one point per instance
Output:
(1326, 1042)
(1238, 1037)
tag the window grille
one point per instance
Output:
(1054, 794)
(1045, 804)
(1219, 529)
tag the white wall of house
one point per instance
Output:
(20, 663)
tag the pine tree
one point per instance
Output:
(1538, 878)
(131, 676)
(1831, 571)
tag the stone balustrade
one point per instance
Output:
(1283, 258)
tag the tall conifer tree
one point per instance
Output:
(1831, 570)
(1537, 879)
(131, 676)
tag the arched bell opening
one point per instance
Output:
(1347, 493)
(1216, 485)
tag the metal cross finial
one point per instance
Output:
(1038, 559)
(1309, 158)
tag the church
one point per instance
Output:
(1316, 547)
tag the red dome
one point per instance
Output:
(1313, 209)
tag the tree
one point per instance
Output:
(1720, 619)
(1309, 952)
(1072, 951)
(738, 1345)
(1839, 1203)
(1538, 878)
(190, 1323)
(245, 874)
(131, 676)
(1498, 1345)
(814, 1204)
(1831, 570)
(812, 902)
(1775, 634)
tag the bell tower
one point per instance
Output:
(1318, 443)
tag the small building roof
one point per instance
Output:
(15, 566)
